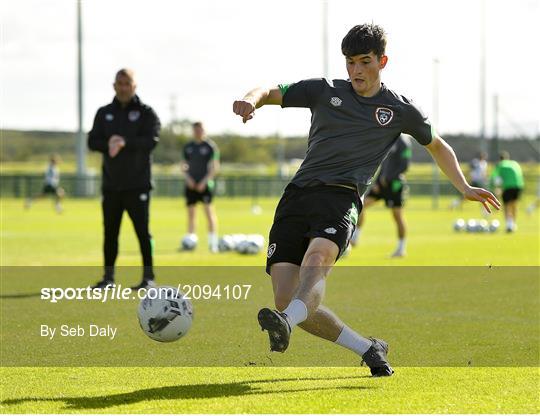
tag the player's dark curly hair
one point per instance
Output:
(363, 39)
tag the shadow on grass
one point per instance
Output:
(187, 391)
(20, 295)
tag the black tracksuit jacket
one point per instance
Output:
(139, 125)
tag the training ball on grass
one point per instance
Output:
(494, 226)
(472, 226)
(252, 244)
(248, 247)
(459, 225)
(226, 243)
(189, 242)
(483, 226)
(165, 315)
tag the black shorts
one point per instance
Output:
(192, 196)
(49, 189)
(511, 194)
(324, 211)
(393, 193)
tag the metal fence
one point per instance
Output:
(25, 185)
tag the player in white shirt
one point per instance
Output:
(51, 185)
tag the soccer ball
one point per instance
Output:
(189, 242)
(483, 226)
(237, 239)
(459, 225)
(472, 226)
(494, 226)
(248, 247)
(252, 244)
(164, 314)
(226, 243)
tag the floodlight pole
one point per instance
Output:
(495, 147)
(325, 37)
(483, 144)
(81, 142)
(435, 121)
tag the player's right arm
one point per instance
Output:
(184, 165)
(254, 99)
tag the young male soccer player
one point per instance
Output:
(390, 186)
(51, 185)
(354, 124)
(126, 132)
(201, 163)
(508, 176)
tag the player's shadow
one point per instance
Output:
(187, 391)
(19, 295)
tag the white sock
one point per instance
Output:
(356, 235)
(510, 223)
(353, 341)
(213, 240)
(401, 244)
(296, 312)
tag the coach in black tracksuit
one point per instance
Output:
(125, 131)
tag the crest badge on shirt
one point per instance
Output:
(109, 117)
(134, 115)
(384, 115)
(335, 101)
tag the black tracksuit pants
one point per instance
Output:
(137, 204)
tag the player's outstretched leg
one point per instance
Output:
(316, 265)
(285, 282)
(324, 323)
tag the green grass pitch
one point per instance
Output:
(40, 237)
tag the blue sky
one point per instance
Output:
(208, 53)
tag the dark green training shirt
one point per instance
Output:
(398, 160)
(198, 156)
(350, 135)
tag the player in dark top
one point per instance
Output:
(354, 123)
(125, 131)
(201, 163)
(390, 185)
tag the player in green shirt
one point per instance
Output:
(508, 177)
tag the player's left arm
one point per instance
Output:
(446, 159)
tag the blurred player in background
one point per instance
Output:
(536, 203)
(508, 177)
(125, 131)
(479, 170)
(200, 166)
(354, 123)
(390, 185)
(478, 176)
(51, 185)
